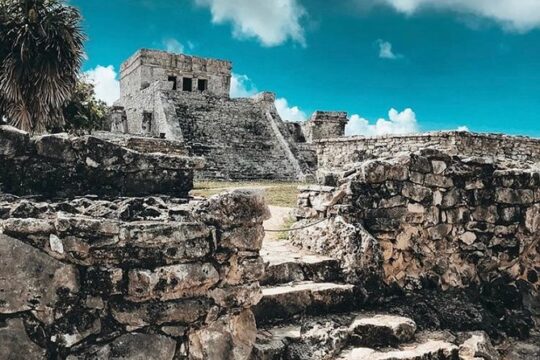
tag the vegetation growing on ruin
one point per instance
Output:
(84, 112)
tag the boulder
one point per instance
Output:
(229, 338)
(13, 338)
(32, 280)
(131, 347)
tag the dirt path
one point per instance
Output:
(279, 217)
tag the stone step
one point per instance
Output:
(284, 301)
(381, 330)
(272, 343)
(286, 263)
(427, 350)
(335, 336)
(324, 337)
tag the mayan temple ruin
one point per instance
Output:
(410, 247)
(186, 98)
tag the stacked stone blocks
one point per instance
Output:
(85, 276)
(432, 218)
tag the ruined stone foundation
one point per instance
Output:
(95, 277)
(449, 242)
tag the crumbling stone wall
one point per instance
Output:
(87, 273)
(338, 153)
(60, 165)
(130, 278)
(325, 125)
(145, 144)
(429, 219)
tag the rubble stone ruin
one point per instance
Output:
(104, 256)
(186, 98)
(427, 253)
(410, 247)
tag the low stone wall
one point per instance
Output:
(133, 278)
(60, 165)
(338, 153)
(429, 219)
(145, 144)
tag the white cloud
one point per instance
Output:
(242, 86)
(173, 46)
(463, 128)
(106, 84)
(516, 15)
(398, 123)
(272, 22)
(288, 113)
(385, 50)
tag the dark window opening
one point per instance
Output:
(187, 84)
(202, 85)
(147, 122)
(174, 81)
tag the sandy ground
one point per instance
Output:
(279, 217)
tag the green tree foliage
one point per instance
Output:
(83, 112)
(41, 51)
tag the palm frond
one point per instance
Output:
(41, 52)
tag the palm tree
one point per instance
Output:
(41, 51)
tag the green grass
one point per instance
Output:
(277, 193)
(286, 226)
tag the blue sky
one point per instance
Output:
(441, 64)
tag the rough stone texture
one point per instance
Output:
(435, 349)
(382, 330)
(455, 238)
(13, 339)
(230, 337)
(478, 346)
(32, 280)
(513, 349)
(131, 346)
(147, 66)
(284, 301)
(357, 251)
(325, 125)
(336, 337)
(285, 263)
(339, 153)
(454, 221)
(131, 278)
(60, 165)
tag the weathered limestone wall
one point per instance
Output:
(429, 219)
(337, 153)
(132, 278)
(145, 144)
(60, 165)
(148, 66)
(239, 138)
(325, 125)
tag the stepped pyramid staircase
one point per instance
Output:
(308, 312)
